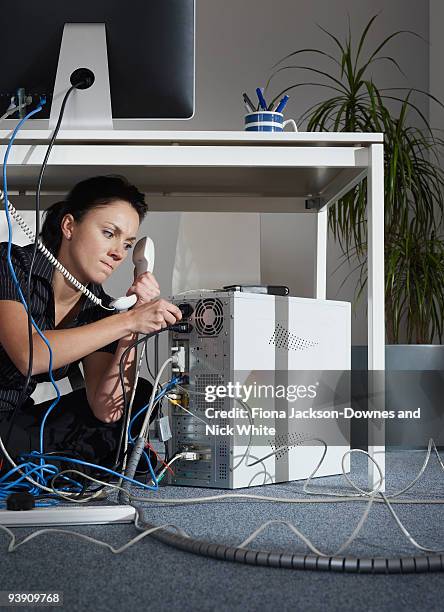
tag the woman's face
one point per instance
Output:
(101, 240)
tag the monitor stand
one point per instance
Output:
(83, 46)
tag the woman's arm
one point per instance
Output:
(72, 344)
(101, 370)
(67, 345)
(102, 380)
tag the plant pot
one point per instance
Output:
(414, 379)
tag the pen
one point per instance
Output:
(261, 99)
(282, 104)
(248, 103)
(270, 108)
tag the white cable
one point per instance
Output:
(41, 247)
(306, 540)
(130, 409)
(169, 464)
(9, 112)
(17, 107)
(371, 495)
(372, 498)
(406, 532)
(176, 403)
(431, 445)
(242, 496)
(142, 438)
(146, 422)
(360, 524)
(247, 496)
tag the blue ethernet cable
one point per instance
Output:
(20, 484)
(130, 438)
(28, 467)
(11, 267)
(99, 467)
(168, 386)
(40, 469)
(159, 396)
(52, 470)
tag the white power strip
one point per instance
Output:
(68, 515)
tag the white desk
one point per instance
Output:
(196, 171)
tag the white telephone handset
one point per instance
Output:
(143, 260)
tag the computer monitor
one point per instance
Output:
(150, 54)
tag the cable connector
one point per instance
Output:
(178, 359)
(189, 456)
(181, 328)
(174, 396)
(163, 429)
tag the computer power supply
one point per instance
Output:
(242, 349)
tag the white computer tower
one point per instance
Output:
(264, 343)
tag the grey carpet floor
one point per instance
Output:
(152, 576)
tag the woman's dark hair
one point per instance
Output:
(85, 196)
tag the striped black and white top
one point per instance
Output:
(43, 312)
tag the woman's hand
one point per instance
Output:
(153, 316)
(150, 313)
(146, 287)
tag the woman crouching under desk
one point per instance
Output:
(91, 234)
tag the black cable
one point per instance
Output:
(162, 399)
(125, 414)
(147, 361)
(156, 354)
(160, 410)
(22, 396)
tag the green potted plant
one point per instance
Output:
(414, 204)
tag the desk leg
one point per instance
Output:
(320, 280)
(376, 308)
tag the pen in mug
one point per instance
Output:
(282, 104)
(261, 99)
(248, 103)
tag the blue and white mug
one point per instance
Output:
(267, 121)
